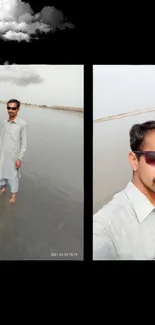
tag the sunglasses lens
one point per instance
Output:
(150, 159)
(13, 108)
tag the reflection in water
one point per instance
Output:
(111, 170)
(48, 215)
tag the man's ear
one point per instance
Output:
(133, 160)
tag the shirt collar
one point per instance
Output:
(142, 206)
(15, 120)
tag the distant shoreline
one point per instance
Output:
(60, 108)
(113, 117)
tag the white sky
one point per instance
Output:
(122, 88)
(62, 84)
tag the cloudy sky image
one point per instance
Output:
(122, 88)
(18, 21)
(60, 85)
(19, 75)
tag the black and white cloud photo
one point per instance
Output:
(18, 21)
(34, 29)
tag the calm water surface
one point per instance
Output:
(47, 219)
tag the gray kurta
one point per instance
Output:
(13, 145)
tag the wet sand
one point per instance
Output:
(118, 116)
(60, 108)
(46, 223)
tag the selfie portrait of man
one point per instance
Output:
(125, 227)
(124, 163)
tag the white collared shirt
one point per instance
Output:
(13, 145)
(124, 229)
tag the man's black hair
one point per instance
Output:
(138, 133)
(14, 101)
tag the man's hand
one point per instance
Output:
(18, 163)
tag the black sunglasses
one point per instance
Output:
(13, 108)
(149, 156)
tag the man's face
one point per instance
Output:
(145, 168)
(12, 109)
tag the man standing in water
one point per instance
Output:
(13, 145)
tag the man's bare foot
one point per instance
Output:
(3, 190)
(13, 199)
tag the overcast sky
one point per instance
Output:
(122, 88)
(60, 85)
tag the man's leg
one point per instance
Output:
(14, 186)
(2, 186)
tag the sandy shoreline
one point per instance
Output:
(60, 108)
(108, 118)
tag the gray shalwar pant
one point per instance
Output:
(13, 183)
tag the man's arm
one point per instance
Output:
(1, 133)
(103, 248)
(23, 139)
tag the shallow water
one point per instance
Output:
(111, 170)
(47, 220)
